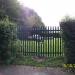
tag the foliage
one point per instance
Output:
(68, 30)
(9, 6)
(46, 62)
(7, 38)
(22, 15)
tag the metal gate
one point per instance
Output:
(40, 41)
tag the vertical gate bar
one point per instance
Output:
(52, 41)
(36, 42)
(24, 46)
(48, 41)
(34, 37)
(38, 31)
(35, 50)
(58, 44)
(55, 42)
(46, 50)
(32, 41)
(43, 42)
(40, 42)
(27, 43)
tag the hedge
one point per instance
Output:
(68, 34)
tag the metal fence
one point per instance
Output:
(40, 41)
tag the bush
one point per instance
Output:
(7, 40)
(68, 30)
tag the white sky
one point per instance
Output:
(51, 11)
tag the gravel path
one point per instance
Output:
(27, 70)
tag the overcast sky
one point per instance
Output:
(51, 11)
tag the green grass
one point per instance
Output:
(48, 62)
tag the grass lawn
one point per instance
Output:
(47, 62)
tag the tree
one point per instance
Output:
(11, 7)
(25, 18)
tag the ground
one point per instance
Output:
(27, 70)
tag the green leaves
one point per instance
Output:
(6, 38)
(68, 29)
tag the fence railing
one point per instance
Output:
(43, 41)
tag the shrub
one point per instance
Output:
(7, 40)
(68, 30)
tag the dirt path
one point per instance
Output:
(25, 70)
